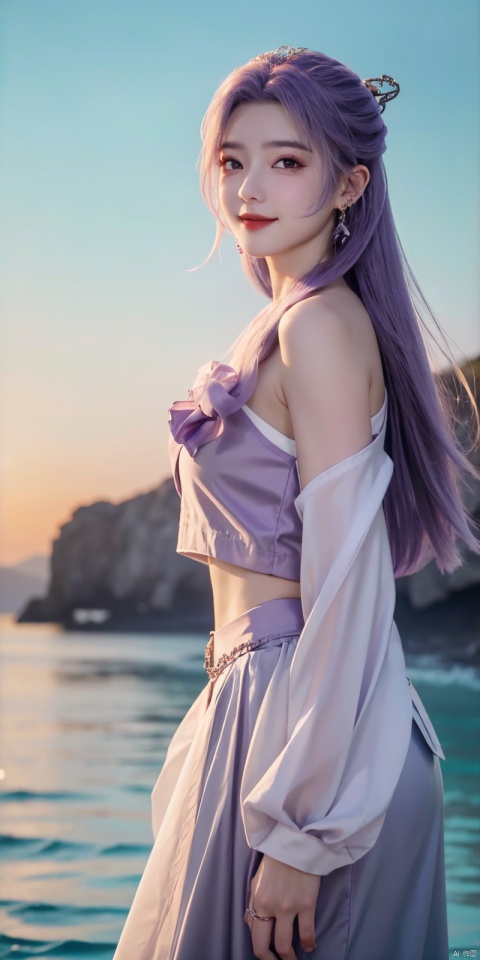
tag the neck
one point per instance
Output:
(288, 266)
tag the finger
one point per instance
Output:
(306, 929)
(261, 931)
(284, 936)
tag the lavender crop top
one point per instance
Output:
(239, 490)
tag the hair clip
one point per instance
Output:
(382, 98)
(281, 53)
(284, 52)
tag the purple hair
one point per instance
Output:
(329, 104)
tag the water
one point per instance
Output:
(85, 722)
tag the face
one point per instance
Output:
(280, 182)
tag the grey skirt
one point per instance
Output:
(190, 904)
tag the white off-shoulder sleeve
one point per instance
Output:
(326, 755)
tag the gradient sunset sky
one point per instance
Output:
(102, 326)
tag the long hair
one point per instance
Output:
(329, 105)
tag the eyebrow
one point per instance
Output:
(273, 144)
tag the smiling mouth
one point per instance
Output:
(256, 216)
(254, 223)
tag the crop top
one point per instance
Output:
(330, 742)
(239, 496)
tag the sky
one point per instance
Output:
(104, 323)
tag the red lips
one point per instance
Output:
(253, 221)
(256, 216)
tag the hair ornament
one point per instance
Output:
(280, 54)
(382, 98)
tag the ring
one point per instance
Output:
(256, 916)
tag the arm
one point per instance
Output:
(324, 760)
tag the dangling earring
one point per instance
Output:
(239, 247)
(341, 230)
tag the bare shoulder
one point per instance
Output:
(337, 314)
(330, 333)
(327, 347)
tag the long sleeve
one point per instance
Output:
(331, 739)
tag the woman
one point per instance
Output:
(300, 810)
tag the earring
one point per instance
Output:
(239, 247)
(341, 230)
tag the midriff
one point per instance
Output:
(236, 589)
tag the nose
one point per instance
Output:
(251, 188)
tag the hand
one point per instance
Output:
(283, 892)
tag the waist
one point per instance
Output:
(265, 624)
(236, 589)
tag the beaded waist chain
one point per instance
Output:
(226, 658)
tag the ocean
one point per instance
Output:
(85, 722)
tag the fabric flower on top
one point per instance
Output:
(199, 419)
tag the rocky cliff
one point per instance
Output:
(121, 558)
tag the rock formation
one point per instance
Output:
(121, 558)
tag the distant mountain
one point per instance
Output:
(36, 566)
(17, 587)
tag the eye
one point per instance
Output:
(289, 160)
(224, 160)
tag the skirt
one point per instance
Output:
(190, 904)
